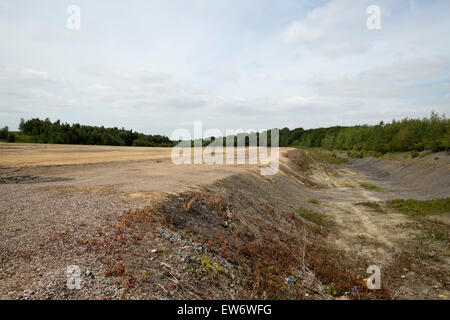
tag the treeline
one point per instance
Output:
(45, 131)
(431, 133)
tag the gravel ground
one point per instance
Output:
(38, 227)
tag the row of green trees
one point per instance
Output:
(431, 133)
(45, 131)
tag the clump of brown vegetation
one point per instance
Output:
(300, 158)
(267, 248)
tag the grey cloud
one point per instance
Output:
(406, 80)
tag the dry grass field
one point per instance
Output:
(124, 168)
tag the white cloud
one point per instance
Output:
(339, 27)
(283, 63)
(137, 75)
(298, 32)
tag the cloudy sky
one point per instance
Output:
(155, 66)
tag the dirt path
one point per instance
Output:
(366, 229)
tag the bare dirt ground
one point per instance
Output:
(420, 178)
(204, 232)
(123, 169)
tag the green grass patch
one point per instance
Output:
(332, 158)
(327, 156)
(313, 216)
(20, 137)
(209, 265)
(426, 154)
(370, 186)
(349, 185)
(374, 205)
(421, 208)
(435, 234)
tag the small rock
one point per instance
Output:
(166, 265)
(182, 255)
(89, 273)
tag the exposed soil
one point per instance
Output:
(420, 178)
(140, 227)
(29, 179)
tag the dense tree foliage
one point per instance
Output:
(431, 133)
(5, 134)
(45, 131)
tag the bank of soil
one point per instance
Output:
(140, 227)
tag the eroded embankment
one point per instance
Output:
(307, 232)
(241, 237)
(300, 234)
(422, 178)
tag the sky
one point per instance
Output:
(158, 66)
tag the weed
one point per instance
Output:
(116, 271)
(315, 217)
(216, 204)
(421, 208)
(208, 264)
(164, 250)
(128, 282)
(374, 205)
(188, 205)
(331, 289)
(370, 187)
